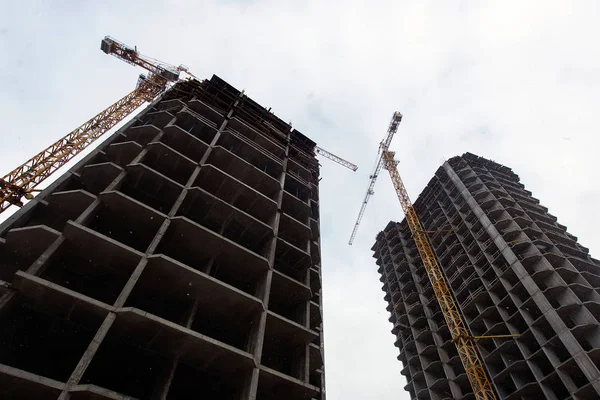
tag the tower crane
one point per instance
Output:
(21, 182)
(465, 343)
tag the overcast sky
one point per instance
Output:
(517, 82)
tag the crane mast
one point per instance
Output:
(464, 342)
(384, 145)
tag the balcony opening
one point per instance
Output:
(126, 221)
(41, 343)
(155, 301)
(207, 383)
(150, 188)
(168, 162)
(122, 366)
(90, 265)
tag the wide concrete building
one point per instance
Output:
(512, 269)
(180, 259)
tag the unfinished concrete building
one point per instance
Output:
(180, 259)
(512, 269)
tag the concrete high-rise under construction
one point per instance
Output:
(180, 259)
(512, 269)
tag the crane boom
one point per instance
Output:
(464, 342)
(22, 180)
(384, 145)
(335, 158)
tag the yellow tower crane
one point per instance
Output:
(21, 182)
(465, 343)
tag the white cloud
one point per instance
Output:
(512, 81)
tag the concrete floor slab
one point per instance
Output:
(299, 172)
(92, 264)
(315, 280)
(237, 193)
(294, 289)
(120, 203)
(141, 134)
(127, 220)
(196, 125)
(168, 162)
(124, 152)
(169, 339)
(30, 239)
(182, 238)
(206, 111)
(297, 188)
(315, 253)
(172, 106)
(237, 125)
(289, 297)
(60, 301)
(315, 316)
(97, 177)
(93, 392)
(22, 247)
(244, 171)
(252, 153)
(293, 231)
(18, 384)
(179, 280)
(103, 249)
(315, 230)
(220, 216)
(158, 118)
(273, 385)
(150, 187)
(185, 143)
(291, 260)
(281, 328)
(316, 357)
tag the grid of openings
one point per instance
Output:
(513, 269)
(182, 256)
(429, 358)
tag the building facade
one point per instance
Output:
(180, 259)
(512, 269)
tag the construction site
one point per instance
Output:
(182, 257)
(183, 252)
(527, 291)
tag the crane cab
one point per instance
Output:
(106, 45)
(171, 76)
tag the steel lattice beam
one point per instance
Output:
(335, 158)
(22, 180)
